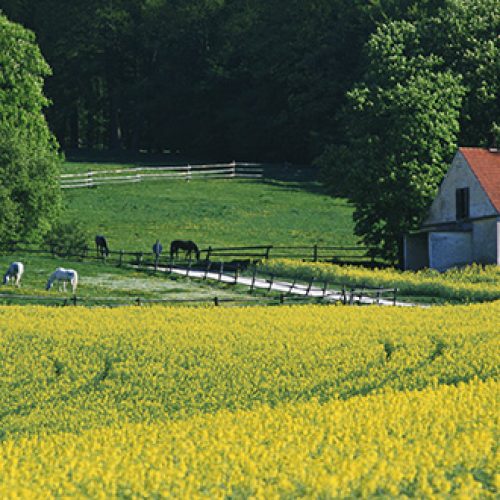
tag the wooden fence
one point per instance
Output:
(352, 255)
(74, 300)
(94, 178)
(148, 262)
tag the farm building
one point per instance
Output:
(463, 224)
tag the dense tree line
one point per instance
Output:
(378, 93)
(238, 78)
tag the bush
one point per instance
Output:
(68, 238)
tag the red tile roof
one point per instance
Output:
(486, 166)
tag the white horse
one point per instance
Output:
(14, 273)
(63, 275)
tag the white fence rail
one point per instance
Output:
(94, 178)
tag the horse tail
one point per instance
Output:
(20, 271)
(74, 281)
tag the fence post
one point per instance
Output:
(315, 253)
(344, 295)
(138, 301)
(309, 286)
(351, 297)
(74, 300)
(395, 296)
(282, 298)
(233, 168)
(292, 286)
(360, 295)
(271, 281)
(209, 263)
(268, 249)
(252, 286)
(90, 181)
(236, 274)
(377, 301)
(188, 173)
(325, 288)
(221, 271)
(216, 301)
(209, 252)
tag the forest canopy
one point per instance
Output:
(392, 86)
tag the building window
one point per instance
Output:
(462, 203)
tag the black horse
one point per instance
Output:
(188, 246)
(101, 245)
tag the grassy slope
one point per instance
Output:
(287, 207)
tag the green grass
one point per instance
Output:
(287, 207)
(99, 280)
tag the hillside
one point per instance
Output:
(286, 207)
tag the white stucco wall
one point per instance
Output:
(485, 241)
(459, 176)
(449, 249)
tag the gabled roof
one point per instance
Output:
(485, 165)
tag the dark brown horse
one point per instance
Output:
(101, 245)
(187, 246)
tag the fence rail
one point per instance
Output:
(94, 178)
(356, 255)
(215, 300)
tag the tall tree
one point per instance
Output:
(29, 161)
(429, 83)
(401, 125)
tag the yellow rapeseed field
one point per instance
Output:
(315, 401)
(473, 283)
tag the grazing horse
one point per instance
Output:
(157, 248)
(101, 245)
(188, 246)
(63, 275)
(14, 273)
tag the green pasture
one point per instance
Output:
(286, 207)
(97, 280)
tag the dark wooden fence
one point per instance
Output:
(219, 260)
(237, 255)
(74, 300)
(353, 255)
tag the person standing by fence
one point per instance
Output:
(157, 250)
